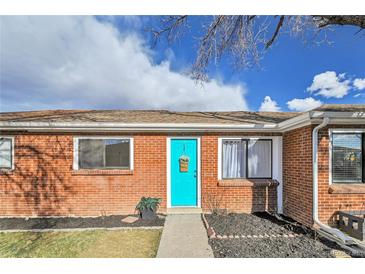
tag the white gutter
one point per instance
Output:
(313, 117)
(335, 232)
(298, 121)
(89, 126)
(107, 126)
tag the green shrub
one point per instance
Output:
(148, 203)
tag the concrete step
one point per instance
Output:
(184, 210)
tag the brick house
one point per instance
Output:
(92, 163)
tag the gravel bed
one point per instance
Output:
(299, 247)
(302, 246)
(249, 224)
(74, 222)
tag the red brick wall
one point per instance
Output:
(297, 177)
(43, 182)
(233, 198)
(329, 203)
(297, 174)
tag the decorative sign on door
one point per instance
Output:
(184, 161)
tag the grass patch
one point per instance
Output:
(84, 244)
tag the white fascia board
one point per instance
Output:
(349, 116)
(339, 121)
(314, 117)
(345, 115)
(311, 117)
(44, 126)
(296, 122)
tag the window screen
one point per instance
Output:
(346, 158)
(259, 159)
(234, 159)
(6, 153)
(104, 153)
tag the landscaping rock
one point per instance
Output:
(266, 237)
(339, 254)
(75, 222)
(130, 219)
(300, 247)
(247, 224)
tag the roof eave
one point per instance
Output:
(314, 117)
(311, 117)
(123, 127)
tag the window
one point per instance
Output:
(234, 159)
(6, 153)
(246, 158)
(347, 157)
(259, 159)
(104, 153)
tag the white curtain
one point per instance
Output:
(234, 155)
(5, 153)
(259, 159)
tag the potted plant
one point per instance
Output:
(147, 207)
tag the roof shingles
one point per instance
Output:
(342, 107)
(163, 116)
(147, 116)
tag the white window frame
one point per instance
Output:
(330, 138)
(248, 138)
(12, 153)
(76, 149)
(277, 160)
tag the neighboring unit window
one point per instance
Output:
(246, 159)
(347, 158)
(6, 153)
(259, 159)
(104, 153)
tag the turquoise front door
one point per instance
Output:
(184, 172)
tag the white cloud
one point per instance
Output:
(359, 84)
(328, 84)
(269, 105)
(303, 104)
(82, 62)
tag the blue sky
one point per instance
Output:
(110, 62)
(288, 68)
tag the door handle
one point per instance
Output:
(194, 173)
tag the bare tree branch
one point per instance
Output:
(171, 28)
(342, 20)
(243, 38)
(278, 27)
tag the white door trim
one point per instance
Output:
(168, 169)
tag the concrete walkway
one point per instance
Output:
(184, 236)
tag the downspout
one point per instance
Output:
(333, 231)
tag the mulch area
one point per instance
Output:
(305, 244)
(112, 221)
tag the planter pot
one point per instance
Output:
(148, 214)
